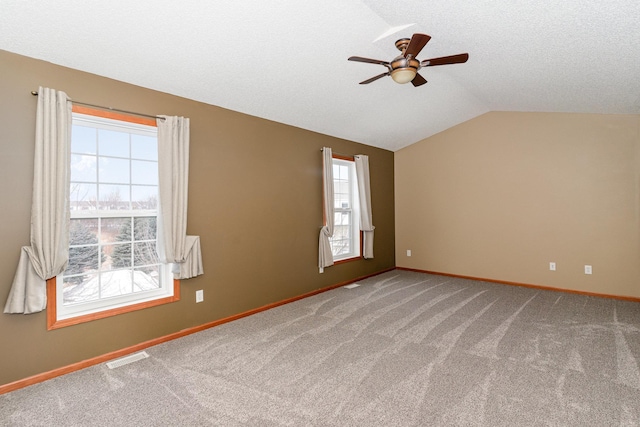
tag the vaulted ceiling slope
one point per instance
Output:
(286, 60)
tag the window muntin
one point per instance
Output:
(345, 242)
(113, 209)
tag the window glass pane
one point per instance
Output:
(144, 228)
(144, 197)
(112, 143)
(115, 230)
(146, 278)
(83, 196)
(114, 171)
(120, 256)
(341, 187)
(341, 232)
(114, 283)
(340, 247)
(83, 231)
(143, 172)
(341, 201)
(78, 289)
(145, 254)
(144, 147)
(83, 168)
(118, 231)
(83, 259)
(83, 139)
(114, 197)
(343, 173)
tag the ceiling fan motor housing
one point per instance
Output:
(402, 65)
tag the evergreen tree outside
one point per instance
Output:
(144, 243)
(83, 251)
(121, 255)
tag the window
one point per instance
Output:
(113, 263)
(345, 242)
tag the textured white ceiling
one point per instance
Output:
(286, 60)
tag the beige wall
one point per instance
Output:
(504, 194)
(254, 198)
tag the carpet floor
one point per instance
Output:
(401, 349)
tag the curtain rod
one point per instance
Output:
(35, 93)
(340, 154)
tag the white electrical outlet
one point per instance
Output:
(552, 266)
(408, 252)
(587, 269)
(199, 295)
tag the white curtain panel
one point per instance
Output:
(325, 256)
(192, 265)
(48, 254)
(173, 245)
(364, 195)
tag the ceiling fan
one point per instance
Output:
(404, 67)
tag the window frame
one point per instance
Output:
(357, 236)
(51, 284)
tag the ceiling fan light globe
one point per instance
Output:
(403, 75)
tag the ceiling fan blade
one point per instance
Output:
(418, 80)
(418, 41)
(368, 60)
(444, 60)
(373, 79)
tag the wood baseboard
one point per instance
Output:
(38, 378)
(526, 285)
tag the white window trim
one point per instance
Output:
(355, 210)
(64, 312)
